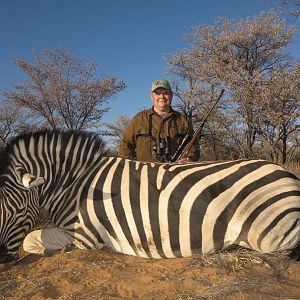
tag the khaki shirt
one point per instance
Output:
(141, 136)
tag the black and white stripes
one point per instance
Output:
(146, 209)
(178, 210)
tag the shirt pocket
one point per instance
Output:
(142, 131)
(144, 147)
(177, 130)
(143, 135)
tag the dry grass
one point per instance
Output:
(237, 274)
(249, 273)
(294, 167)
(241, 259)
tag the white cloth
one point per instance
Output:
(47, 239)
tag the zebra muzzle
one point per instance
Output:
(6, 261)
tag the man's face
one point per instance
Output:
(162, 99)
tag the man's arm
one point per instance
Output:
(127, 145)
(126, 150)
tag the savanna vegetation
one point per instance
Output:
(249, 58)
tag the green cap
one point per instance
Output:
(160, 83)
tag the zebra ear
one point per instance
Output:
(30, 181)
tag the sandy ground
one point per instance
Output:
(96, 274)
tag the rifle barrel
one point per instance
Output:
(184, 149)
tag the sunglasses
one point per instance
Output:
(161, 91)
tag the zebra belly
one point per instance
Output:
(186, 210)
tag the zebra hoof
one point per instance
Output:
(68, 248)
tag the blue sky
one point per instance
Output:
(126, 38)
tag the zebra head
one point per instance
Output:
(19, 195)
(35, 170)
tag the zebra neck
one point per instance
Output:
(62, 193)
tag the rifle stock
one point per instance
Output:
(181, 147)
(188, 142)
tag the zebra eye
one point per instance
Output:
(20, 172)
(19, 169)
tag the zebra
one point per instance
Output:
(151, 210)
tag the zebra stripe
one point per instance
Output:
(145, 209)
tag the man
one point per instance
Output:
(155, 134)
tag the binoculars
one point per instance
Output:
(162, 149)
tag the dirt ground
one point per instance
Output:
(96, 274)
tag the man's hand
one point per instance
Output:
(184, 160)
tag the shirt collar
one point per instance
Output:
(152, 112)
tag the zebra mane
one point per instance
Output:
(92, 139)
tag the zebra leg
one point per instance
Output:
(47, 241)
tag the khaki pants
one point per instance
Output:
(51, 240)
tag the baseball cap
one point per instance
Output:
(160, 83)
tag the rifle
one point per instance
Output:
(187, 143)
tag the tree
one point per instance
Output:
(62, 92)
(12, 121)
(291, 6)
(280, 119)
(240, 55)
(116, 129)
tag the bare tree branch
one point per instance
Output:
(63, 91)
